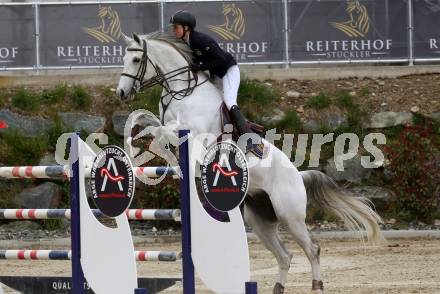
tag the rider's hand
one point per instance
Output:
(196, 66)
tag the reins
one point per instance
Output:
(162, 79)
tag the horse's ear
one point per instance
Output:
(127, 39)
(136, 38)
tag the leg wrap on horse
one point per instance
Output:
(278, 289)
(317, 285)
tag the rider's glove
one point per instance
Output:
(196, 66)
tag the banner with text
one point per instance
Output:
(329, 30)
(250, 31)
(17, 41)
(426, 28)
(92, 34)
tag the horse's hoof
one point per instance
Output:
(278, 289)
(317, 287)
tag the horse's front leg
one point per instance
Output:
(267, 231)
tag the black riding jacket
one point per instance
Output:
(209, 55)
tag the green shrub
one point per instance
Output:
(317, 214)
(319, 101)
(56, 131)
(251, 91)
(20, 150)
(2, 98)
(290, 123)
(83, 134)
(355, 113)
(166, 195)
(9, 192)
(393, 133)
(344, 100)
(80, 98)
(25, 99)
(419, 119)
(46, 96)
(365, 91)
(415, 165)
(148, 99)
(55, 95)
(108, 93)
(52, 224)
(355, 118)
(114, 139)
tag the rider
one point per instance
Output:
(221, 64)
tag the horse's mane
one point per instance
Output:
(175, 42)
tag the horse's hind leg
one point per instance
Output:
(298, 229)
(266, 228)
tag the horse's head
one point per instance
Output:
(157, 58)
(136, 67)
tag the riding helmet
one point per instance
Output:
(184, 18)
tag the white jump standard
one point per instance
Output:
(105, 257)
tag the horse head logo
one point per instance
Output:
(234, 26)
(358, 23)
(109, 31)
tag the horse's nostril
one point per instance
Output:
(121, 93)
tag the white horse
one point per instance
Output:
(278, 191)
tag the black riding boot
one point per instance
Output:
(240, 124)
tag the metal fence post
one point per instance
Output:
(162, 16)
(410, 33)
(37, 34)
(286, 33)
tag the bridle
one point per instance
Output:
(162, 79)
(142, 68)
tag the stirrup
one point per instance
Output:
(256, 149)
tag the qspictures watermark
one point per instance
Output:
(346, 145)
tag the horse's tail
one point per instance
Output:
(356, 212)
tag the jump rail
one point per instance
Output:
(169, 256)
(63, 171)
(132, 214)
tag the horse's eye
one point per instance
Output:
(136, 59)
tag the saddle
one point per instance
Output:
(226, 120)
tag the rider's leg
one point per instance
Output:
(231, 82)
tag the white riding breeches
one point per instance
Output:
(230, 83)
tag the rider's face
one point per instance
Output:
(178, 31)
